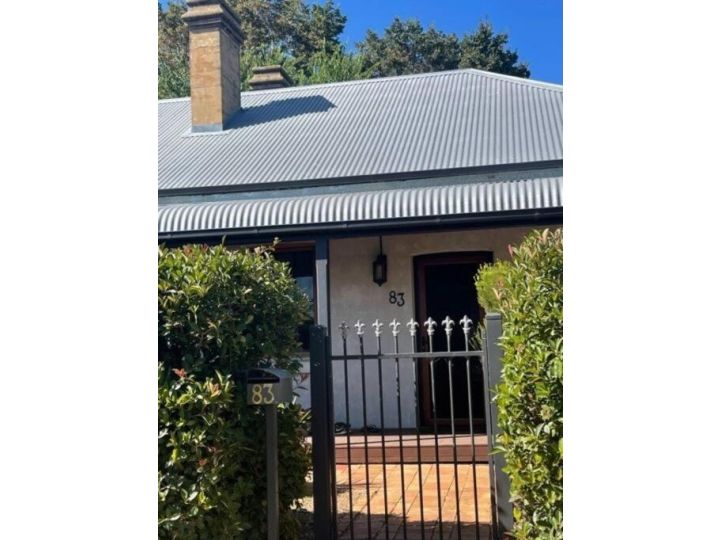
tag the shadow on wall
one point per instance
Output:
(279, 109)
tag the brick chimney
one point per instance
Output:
(266, 77)
(215, 38)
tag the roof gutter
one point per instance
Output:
(544, 216)
(365, 179)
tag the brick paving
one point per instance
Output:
(433, 505)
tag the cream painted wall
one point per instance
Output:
(353, 296)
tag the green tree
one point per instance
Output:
(326, 23)
(259, 20)
(173, 70)
(486, 50)
(335, 66)
(290, 26)
(405, 47)
(304, 39)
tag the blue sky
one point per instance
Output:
(534, 26)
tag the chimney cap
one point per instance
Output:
(209, 14)
(267, 77)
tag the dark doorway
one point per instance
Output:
(301, 259)
(445, 287)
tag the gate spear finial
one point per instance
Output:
(343, 329)
(430, 326)
(360, 327)
(413, 326)
(394, 325)
(448, 323)
(466, 324)
(377, 325)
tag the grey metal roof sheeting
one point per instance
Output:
(434, 121)
(498, 195)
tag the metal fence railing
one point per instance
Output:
(450, 386)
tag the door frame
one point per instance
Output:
(420, 263)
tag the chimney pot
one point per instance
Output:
(215, 38)
(267, 77)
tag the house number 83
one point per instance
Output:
(262, 394)
(397, 298)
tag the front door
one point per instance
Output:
(445, 287)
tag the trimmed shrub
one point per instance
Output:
(226, 310)
(528, 292)
(489, 280)
(221, 312)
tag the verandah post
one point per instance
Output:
(321, 395)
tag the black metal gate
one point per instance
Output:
(378, 472)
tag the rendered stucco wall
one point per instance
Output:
(355, 296)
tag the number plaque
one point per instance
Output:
(266, 386)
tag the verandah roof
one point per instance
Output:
(533, 191)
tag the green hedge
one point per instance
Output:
(219, 313)
(528, 293)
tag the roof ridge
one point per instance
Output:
(360, 81)
(513, 78)
(377, 80)
(171, 100)
(447, 72)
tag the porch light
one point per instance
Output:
(380, 267)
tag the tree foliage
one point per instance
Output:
(305, 39)
(293, 26)
(406, 47)
(211, 460)
(226, 310)
(528, 293)
(221, 312)
(333, 67)
(173, 65)
(323, 26)
(483, 49)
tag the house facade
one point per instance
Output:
(421, 178)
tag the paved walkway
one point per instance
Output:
(431, 508)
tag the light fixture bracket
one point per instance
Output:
(379, 267)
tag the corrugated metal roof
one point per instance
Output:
(434, 121)
(493, 195)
